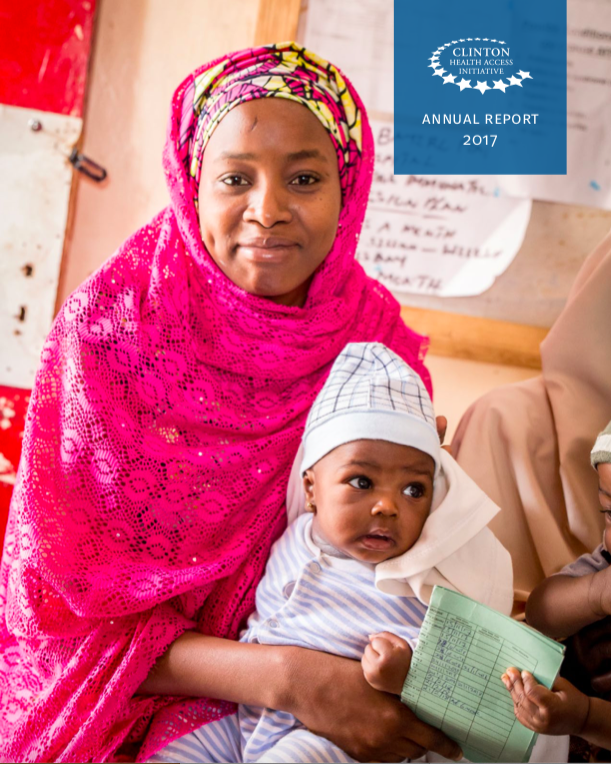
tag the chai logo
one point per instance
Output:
(480, 59)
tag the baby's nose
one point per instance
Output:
(385, 505)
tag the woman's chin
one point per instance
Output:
(289, 294)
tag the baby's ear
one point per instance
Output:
(308, 484)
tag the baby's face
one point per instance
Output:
(604, 496)
(371, 498)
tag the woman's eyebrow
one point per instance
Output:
(306, 154)
(230, 155)
(292, 157)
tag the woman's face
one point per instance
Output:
(270, 198)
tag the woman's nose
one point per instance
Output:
(268, 205)
(385, 505)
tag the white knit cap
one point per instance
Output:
(371, 394)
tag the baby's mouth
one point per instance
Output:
(378, 540)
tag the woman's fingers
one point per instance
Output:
(442, 426)
(432, 739)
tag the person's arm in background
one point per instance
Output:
(560, 606)
(328, 694)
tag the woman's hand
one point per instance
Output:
(442, 426)
(331, 697)
(561, 711)
(386, 661)
(326, 693)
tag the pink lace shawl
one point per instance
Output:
(162, 427)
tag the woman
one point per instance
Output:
(172, 395)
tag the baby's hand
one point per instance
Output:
(563, 710)
(386, 661)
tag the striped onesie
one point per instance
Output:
(308, 598)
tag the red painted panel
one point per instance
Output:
(44, 49)
(13, 408)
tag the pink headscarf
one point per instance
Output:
(162, 427)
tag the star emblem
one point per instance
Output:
(492, 40)
(525, 75)
(515, 81)
(449, 78)
(454, 42)
(438, 72)
(434, 56)
(461, 40)
(501, 42)
(478, 38)
(482, 86)
(485, 39)
(463, 84)
(469, 39)
(434, 65)
(500, 85)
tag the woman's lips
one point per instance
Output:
(268, 248)
(377, 541)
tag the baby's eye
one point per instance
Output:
(305, 179)
(414, 490)
(361, 482)
(234, 180)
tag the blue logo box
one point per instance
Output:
(480, 87)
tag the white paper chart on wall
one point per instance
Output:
(449, 236)
(360, 41)
(588, 178)
(421, 236)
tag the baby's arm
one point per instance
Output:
(562, 605)
(561, 711)
(386, 661)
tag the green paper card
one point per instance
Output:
(454, 682)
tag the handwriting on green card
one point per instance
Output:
(454, 682)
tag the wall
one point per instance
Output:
(142, 50)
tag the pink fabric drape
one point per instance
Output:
(165, 416)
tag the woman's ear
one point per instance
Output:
(308, 489)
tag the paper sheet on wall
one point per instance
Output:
(358, 37)
(449, 236)
(588, 179)
(454, 682)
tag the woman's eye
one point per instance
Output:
(234, 180)
(414, 490)
(304, 180)
(361, 482)
(607, 514)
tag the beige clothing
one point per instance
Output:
(527, 445)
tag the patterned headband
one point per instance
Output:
(283, 70)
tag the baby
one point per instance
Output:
(559, 607)
(371, 461)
